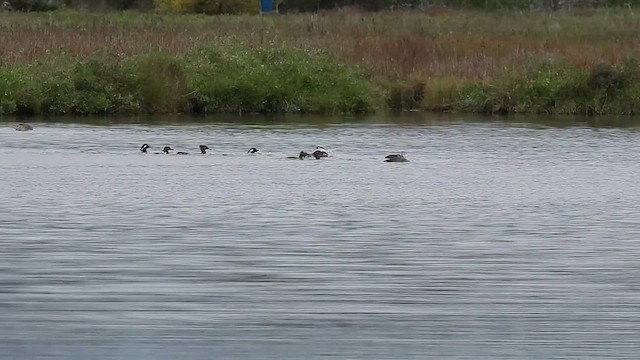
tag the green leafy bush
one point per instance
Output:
(560, 89)
(214, 79)
(236, 79)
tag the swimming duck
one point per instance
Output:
(395, 158)
(165, 150)
(144, 148)
(203, 149)
(253, 151)
(320, 152)
(23, 127)
(301, 156)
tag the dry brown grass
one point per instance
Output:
(443, 48)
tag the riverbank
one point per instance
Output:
(216, 79)
(578, 62)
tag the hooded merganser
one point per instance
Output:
(320, 152)
(395, 158)
(301, 156)
(253, 151)
(203, 149)
(144, 148)
(165, 150)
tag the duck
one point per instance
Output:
(320, 152)
(253, 151)
(165, 150)
(203, 149)
(144, 148)
(395, 158)
(23, 127)
(301, 156)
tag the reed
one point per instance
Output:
(432, 59)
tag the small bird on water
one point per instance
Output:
(23, 127)
(303, 155)
(320, 152)
(395, 158)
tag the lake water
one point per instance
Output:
(502, 238)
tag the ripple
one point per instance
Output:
(498, 240)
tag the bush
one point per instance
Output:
(276, 80)
(223, 79)
(559, 89)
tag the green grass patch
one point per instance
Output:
(558, 89)
(219, 79)
(236, 79)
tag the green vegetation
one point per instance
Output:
(346, 61)
(252, 6)
(558, 88)
(211, 79)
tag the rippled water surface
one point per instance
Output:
(499, 239)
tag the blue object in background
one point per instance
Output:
(266, 6)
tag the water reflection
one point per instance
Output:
(398, 118)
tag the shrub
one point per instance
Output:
(558, 88)
(235, 79)
(158, 82)
(214, 79)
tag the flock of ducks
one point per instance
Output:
(318, 153)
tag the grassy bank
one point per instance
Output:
(215, 79)
(565, 62)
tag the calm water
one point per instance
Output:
(500, 239)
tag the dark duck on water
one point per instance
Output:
(303, 155)
(320, 152)
(395, 158)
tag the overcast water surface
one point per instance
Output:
(500, 239)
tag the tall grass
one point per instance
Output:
(432, 59)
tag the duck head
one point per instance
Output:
(144, 148)
(166, 149)
(203, 149)
(303, 155)
(253, 151)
